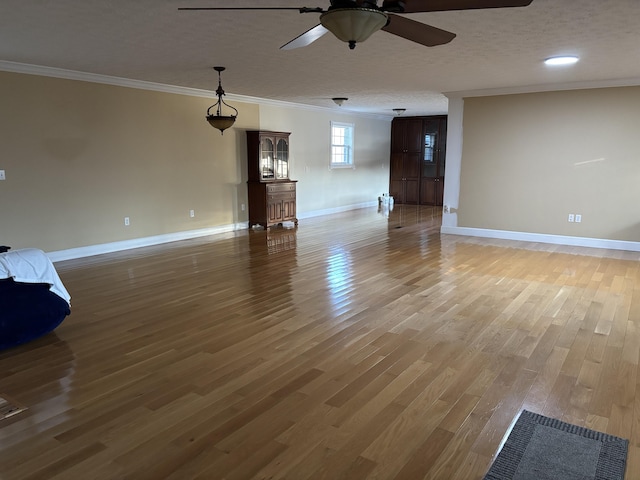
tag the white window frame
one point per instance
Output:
(348, 145)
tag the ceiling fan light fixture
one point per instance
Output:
(353, 25)
(561, 60)
(339, 100)
(219, 121)
(399, 111)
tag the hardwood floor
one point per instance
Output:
(356, 346)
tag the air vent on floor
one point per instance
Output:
(9, 408)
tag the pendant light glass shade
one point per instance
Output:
(220, 122)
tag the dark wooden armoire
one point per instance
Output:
(418, 153)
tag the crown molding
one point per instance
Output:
(553, 87)
(29, 69)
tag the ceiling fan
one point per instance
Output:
(354, 21)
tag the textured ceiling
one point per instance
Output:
(151, 40)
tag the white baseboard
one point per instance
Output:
(80, 252)
(543, 238)
(91, 250)
(330, 211)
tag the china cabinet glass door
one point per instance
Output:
(282, 159)
(429, 164)
(267, 158)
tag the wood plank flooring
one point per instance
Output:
(358, 345)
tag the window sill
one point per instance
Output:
(341, 167)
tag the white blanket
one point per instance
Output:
(30, 265)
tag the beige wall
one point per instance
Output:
(81, 156)
(320, 188)
(529, 160)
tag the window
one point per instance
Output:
(341, 145)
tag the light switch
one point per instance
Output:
(2, 176)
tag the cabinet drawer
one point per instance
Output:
(281, 187)
(281, 196)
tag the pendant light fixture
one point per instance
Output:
(220, 121)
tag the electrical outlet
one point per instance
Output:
(126, 221)
(192, 213)
(570, 219)
(578, 218)
(2, 175)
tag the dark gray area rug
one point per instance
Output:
(543, 448)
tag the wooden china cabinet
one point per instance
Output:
(418, 152)
(272, 194)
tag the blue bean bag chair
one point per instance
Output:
(33, 300)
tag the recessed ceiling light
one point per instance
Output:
(564, 60)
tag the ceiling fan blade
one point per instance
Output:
(417, 32)
(307, 38)
(415, 6)
(299, 9)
